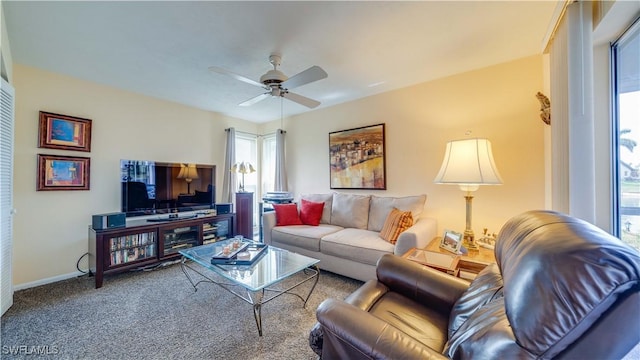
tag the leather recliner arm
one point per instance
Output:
(420, 283)
(351, 333)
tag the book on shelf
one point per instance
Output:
(133, 240)
(126, 255)
(212, 239)
(180, 246)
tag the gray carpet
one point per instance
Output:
(157, 315)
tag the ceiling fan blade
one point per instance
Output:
(235, 76)
(255, 99)
(302, 100)
(312, 74)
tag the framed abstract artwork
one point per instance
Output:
(64, 132)
(63, 172)
(356, 158)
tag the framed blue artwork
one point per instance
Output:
(63, 172)
(64, 132)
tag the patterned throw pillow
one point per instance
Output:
(397, 222)
(286, 214)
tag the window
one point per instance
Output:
(626, 125)
(246, 150)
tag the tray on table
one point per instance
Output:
(255, 250)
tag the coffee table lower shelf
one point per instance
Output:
(195, 267)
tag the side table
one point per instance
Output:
(470, 264)
(447, 263)
(244, 214)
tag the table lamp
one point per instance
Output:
(243, 168)
(468, 163)
(188, 173)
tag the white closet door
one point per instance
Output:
(6, 193)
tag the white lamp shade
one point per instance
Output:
(188, 172)
(468, 163)
(243, 168)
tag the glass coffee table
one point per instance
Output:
(257, 283)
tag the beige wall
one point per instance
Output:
(498, 103)
(50, 229)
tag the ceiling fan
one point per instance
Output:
(276, 83)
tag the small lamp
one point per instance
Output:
(188, 173)
(243, 168)
(468, 163)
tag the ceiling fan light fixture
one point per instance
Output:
(277, 84)
(273, 76)
(276, 91)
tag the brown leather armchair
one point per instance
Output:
(561, 288)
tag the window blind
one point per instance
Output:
(6, 193)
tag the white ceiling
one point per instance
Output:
(163, 49)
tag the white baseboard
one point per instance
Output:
(46, 281)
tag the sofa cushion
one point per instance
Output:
(327, 199)
(486, 287)
(381, 207)
(287, 214)
(303, 236)
(350, 211)
(397, 222)
(311, 212)
(362, 246)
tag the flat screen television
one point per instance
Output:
(153, 187)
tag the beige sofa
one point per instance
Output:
(347, 241)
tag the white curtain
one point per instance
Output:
(268, 163)
(229, 177)
(559, 123)
(572, 120)
(281, 171)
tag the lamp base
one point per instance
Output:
(468, 240)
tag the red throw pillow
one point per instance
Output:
(311, 212)
(286, 214)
